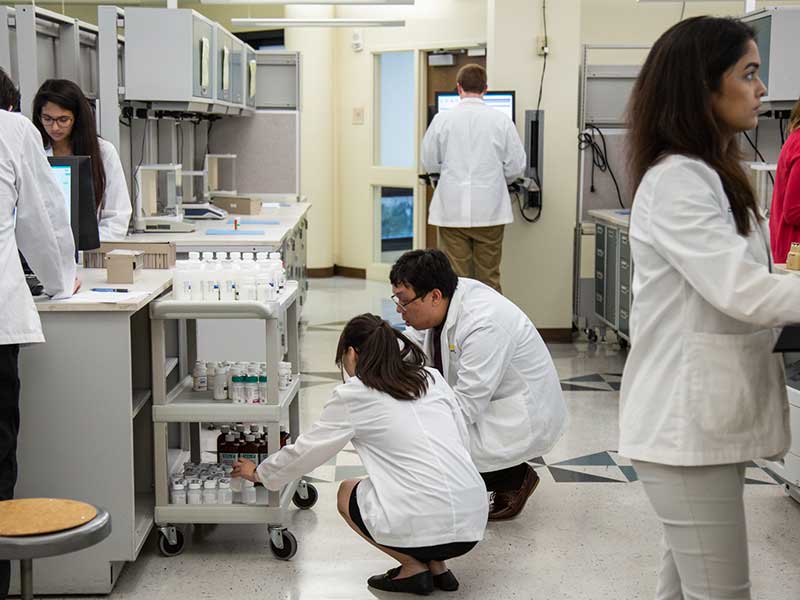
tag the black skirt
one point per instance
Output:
(423, 554)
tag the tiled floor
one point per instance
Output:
(576, 539)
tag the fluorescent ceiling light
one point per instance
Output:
(291, 2)
(311, 22)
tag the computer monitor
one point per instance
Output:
(505, 102)
(74, 176)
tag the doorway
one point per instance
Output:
(441, 77)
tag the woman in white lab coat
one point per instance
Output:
(702, 393)
(423, 501)
(64, 117)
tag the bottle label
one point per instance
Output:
(228, 458)
(201, 383)
(251, 456)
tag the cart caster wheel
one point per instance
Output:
(289, 546)
(623, 344)
(168, 549)
(308, 502)
(592, 336)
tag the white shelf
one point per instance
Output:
(227, 513)
(169, 308)
(186, 406)
(143, 520)
(140, 399)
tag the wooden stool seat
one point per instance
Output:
(40, 527)
(39, 516)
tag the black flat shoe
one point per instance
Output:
(446, 581)
(420, 584)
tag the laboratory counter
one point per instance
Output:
(269, 229)
(87, 428)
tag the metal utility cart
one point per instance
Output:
(182, 405)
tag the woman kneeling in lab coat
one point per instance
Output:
(64, 117)
(423, 501)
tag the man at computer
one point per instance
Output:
(477, 152)
(33, 219)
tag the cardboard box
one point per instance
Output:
(157, 255)
(238, 205)
(123, 266)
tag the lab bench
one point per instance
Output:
(613, 272)
(87, 430)
(183, 405)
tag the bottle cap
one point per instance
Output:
(222, 255)
(178, 486)
(194, 255)
(194, 484)
(247, 255)
(224, 484)
(231, 437)
(249, 438)
(208, 255)
(210, 484)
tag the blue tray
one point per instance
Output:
(255, 222)
(234, 232)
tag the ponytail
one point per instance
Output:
(382, 363)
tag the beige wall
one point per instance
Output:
(537, 257)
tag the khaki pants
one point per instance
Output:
(474, 252)
(705, 536)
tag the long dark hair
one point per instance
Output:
(68, 95)
(670, 110)
(382, 363)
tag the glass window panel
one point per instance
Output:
(396, 109)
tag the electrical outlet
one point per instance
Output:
(358, 115)
(542, 45)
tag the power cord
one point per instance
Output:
(520, 201)
(758, 154)
(599, 157)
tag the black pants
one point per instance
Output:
(505, 480)
(9, 428)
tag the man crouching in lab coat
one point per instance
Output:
(496, 362)
(33, 219)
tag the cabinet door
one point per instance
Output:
(612, 274)
(600, 270)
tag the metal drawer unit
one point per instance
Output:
(600, 271)
(613, 275)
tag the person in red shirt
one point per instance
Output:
(784, 218)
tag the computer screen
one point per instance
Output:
(502, 101)
(74, 176)
(63, 175)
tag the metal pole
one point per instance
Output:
(26, 579)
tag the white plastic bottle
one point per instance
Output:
(182, 280)
(211, 375)
(262, 387)
(225, 494)
(248, 492)
(195, 494)
(221, 383)
(195, 267)
(284, 375)
(251, 388)
(248, 264)
(210, 491)
(200, 377)
(276, 257)
(179, 492)
(238, 390)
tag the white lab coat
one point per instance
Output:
(477, 151)
(701, 385)
(41, 232)
(116, 210)
(422, 488)
(502, 374)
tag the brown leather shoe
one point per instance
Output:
(508, 505)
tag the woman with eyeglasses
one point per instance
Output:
(423, 501)
(64, 117)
